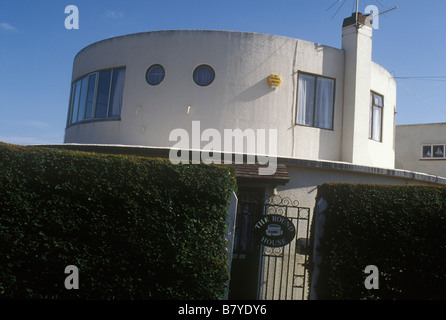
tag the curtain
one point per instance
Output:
(376, 129)
(324, 103)
(90, 96)
(103, 94)
(204, 75)
(378, 100)
(117, 91)
(427, 152)
(375, 121)
(305, 100)
(439, 151)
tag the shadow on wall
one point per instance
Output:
(254, 92)
(330, 143)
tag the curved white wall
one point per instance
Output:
(239, 97)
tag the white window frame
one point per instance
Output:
(433, 157)
(372, 119)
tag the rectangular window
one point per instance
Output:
(117, 89)
(90, 95)
(70, 105)
(315, 101)
(427, 152)
(438, 151)
(76, 98)
(433, 151)
(376, 116)
(103, 94)
(83, 95)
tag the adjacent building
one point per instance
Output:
(421, 148)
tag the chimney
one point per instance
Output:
(357, 46)
(363, 20)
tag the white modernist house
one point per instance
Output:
(330, 111)
(136, 89)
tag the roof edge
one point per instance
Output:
(320, 164)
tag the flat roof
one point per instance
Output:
(421, 124)
(281, 174)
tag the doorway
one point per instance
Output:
(246, 252)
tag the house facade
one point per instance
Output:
(137, 89)
(329, 113)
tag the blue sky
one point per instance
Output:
(37, 51)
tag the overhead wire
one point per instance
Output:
(380, 4)
(421, 77)
(420, 97)
(334, 3)
(353, 9)
(340, 7)
(425, 78)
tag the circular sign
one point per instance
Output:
(274, 231)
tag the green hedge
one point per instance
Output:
(399, 229)
(136, 228)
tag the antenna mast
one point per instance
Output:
(357, 13)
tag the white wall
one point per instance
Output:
(409, 141)
(361, 76)
(239, 97)
(384, 84)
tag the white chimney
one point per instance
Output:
(357, 46)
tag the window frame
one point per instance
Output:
(316, 76)
(151, 68)
(93, 102)
(93, 117)
(82, 99)
(70, 103)
(371, 115)
(109, 79)
(432, 156)
(195, 70)
(76, 98)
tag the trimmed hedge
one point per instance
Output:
(399, 229)
(136, 228)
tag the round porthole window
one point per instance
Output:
(155, 74)
(204, 75)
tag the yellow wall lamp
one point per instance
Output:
(274, 81)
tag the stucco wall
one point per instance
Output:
(304, 181)
(384, 84)
(239, 97)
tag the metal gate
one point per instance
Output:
(283, 271)
(264, 272)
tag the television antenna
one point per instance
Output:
(356, 11)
